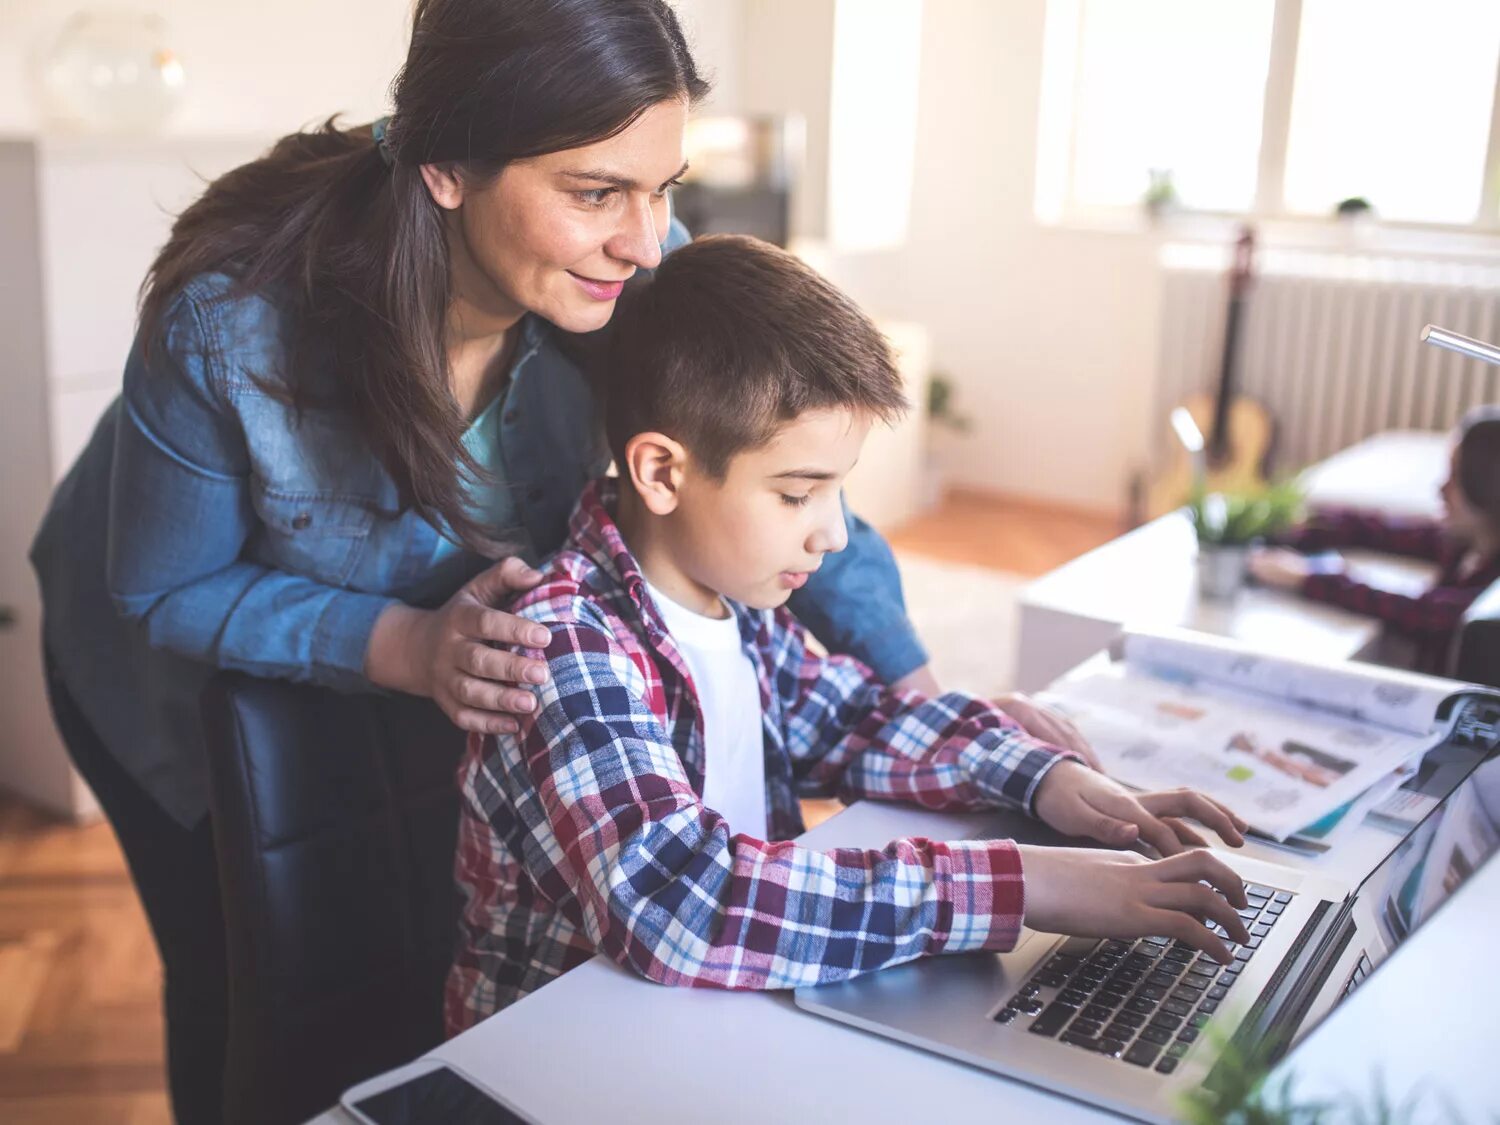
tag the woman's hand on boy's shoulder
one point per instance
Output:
(1078, 801)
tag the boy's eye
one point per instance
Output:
(667, 187)
(794, 501)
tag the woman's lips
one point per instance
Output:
(598, 290)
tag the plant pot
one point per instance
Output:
(1221, 569)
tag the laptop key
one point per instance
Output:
(1150, 992)
(1005, 1015)
(1176, 1007)
(1050, 979)
(1128, 1019)
(1178, 1049)
(1218, 992)
(1110, 1047)
(1244, 953)
(1113, 997)
(1052, 1020)
(1186, 995)
(1098, 1012)
(1157, 1035)
(1208, 1007)
(1143, 1004)
(1166, 1066)
(1073, 997)
(1088, 1042)
(1031, 1005)
(1091, 1028)
(1187, 1035)
(1166, 1021)
(1273, 910)
(1161, 980)
(1282, 897)
(1142, 1054)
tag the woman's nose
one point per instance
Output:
(637, 241)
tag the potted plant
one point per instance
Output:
(1228, 524)
(942, 414)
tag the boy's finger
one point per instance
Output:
(1202, 865)
(1122, 806)
(1201, 902)
(1175, 924)
(1185, 833)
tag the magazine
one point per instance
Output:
(1285, 743)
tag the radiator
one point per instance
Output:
(1329, 343)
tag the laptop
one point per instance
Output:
(1120, 1024)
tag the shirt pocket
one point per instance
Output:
(318, 535)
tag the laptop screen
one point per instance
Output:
(1431, 863)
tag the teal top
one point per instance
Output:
(491, 501)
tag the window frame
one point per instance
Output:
(1057, 156)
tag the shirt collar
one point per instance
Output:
(593, 532)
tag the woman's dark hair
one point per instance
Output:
(351, 243)
(730, 339)
(1478, 461)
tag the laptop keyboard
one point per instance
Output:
(1142, 1002)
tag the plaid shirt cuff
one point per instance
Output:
(987, 894)
(1012, 772)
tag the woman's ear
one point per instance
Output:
(654, 464)
(444, 185)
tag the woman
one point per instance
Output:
(356, 405)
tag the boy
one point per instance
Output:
(685, 713)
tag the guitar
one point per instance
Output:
(1238, 430)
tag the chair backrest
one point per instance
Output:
(1476, 649)
(335, 820)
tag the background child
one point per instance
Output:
(644, 809)
(1465, 543)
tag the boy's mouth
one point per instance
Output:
(795, 579)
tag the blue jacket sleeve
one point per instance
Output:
(181, 515)
(854, 605)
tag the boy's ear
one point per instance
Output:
(655, 464)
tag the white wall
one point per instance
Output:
(1050, 335)
(272, 66)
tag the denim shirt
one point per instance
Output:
(210, 525)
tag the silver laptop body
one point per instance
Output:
(1327, 937)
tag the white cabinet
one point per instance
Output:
(80, 220)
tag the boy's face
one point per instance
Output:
(761, 532)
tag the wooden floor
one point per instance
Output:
(80, 1020)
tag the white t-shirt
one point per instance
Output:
(734, 769)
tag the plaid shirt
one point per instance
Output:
(1429, 619)
(585, 832)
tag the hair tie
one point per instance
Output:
(377, 132)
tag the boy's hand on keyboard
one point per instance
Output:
(1091, 892)
(1078, 801)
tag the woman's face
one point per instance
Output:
(558, 235)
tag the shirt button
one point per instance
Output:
(301, 522)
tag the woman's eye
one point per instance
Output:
(794, 501)
(596, 197)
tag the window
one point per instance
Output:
(1274, 107)
(873, 126)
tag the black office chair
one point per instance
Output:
(335, 818)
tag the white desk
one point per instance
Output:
(602, 1045)
(1148, 577)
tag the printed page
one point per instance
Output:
(1366, 693)
(1280, 765)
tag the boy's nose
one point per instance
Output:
(832, 534)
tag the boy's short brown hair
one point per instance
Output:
(730, 339)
